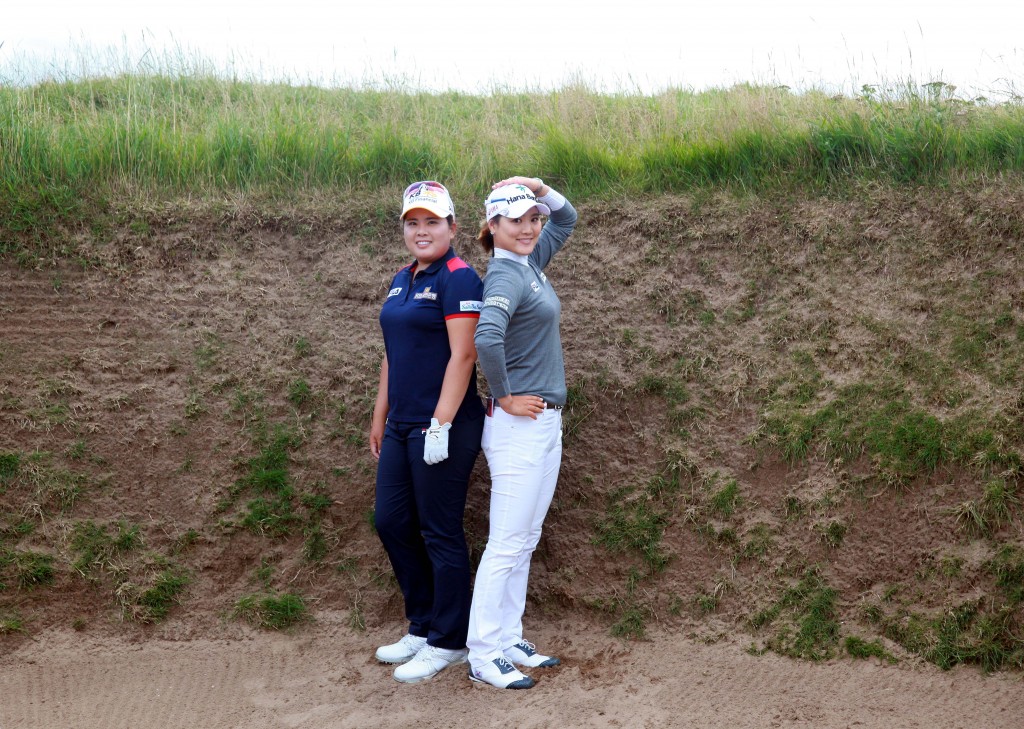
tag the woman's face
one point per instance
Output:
(518, 235)
(427, 236)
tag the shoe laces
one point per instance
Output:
(432, 654)
(530, 647)
(411, 641)
(504, 665)
(423, 655)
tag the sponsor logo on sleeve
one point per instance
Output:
(395, 291)
(471, 305)
(500, 301)
(535, 286)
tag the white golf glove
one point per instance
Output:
(435, 442)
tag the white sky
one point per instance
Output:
(632, 45)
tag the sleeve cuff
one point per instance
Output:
(553, 199)
(505, 388)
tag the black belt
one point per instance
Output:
(492, 402)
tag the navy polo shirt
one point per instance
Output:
(416, 337)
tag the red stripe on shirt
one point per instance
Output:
(464, 315)
(456, 263)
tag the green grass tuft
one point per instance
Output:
(707, 602)
(270, 611)
(810, 620)
(987, 514)
(860, 648)
(302, 347)
(96, 546)
(833, 533)
(314, 547)
(184, 541)
(11, 622)
(10, 465)
(757, 543)
(950, 649)
(155, 602)
(637, 525)
(725, 500)
(317, 503)
(268, 470)
(274, 516)
(299, 393)
(632, 622)
(34, 569)
(1008, 568)
(273, 510)
(264, 573)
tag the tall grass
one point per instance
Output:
(71, 147)
(207, 134)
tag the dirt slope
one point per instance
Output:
(145, 398)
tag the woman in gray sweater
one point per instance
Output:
(520, 351)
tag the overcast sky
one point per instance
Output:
(633, 45)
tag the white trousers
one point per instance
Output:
(523, 456)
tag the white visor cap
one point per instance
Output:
(512, 201)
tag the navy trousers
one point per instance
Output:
(418, 514)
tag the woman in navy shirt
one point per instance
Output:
(425, 433)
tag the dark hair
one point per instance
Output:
(486, 238)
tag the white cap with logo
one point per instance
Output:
(430, 196)
(513, 201)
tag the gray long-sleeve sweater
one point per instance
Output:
(517, 338)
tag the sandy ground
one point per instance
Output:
(325, 677)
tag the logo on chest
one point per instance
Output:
(395, 291)
(426, 294)
(535, 286)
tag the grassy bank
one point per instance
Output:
(67, 141)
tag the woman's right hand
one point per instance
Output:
(535, 184)
(528, 405)
(379, 418)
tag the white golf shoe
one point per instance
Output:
(402, 651)
(524, 653)
(429, 662)
(501, 674)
